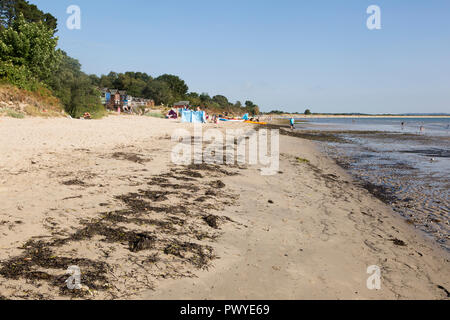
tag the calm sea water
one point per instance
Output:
(411, 161)
(431, 126)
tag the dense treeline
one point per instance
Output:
(29, 59)
(10, 10)
(168, 89)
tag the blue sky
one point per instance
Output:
(282, 54)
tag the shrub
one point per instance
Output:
(13, 113)
(96, 111)
(19, 76)
(35, 103)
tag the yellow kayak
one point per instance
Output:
(253, 122)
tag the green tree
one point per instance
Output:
(6, 13)
(251, 108)
(176, 85)
(160, 92)
(31, 45)
(249, 104)
(194, 98)
(308, 112)
(76, 89)
(10, 10)
(221, 101)
(205, 98)
(84, 97)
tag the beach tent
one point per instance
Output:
(172, 114)
(245, 117)
(193, 116)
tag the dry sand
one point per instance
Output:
(103, 195)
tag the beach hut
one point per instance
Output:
(181, 105)
(114, 101)
(106, 96)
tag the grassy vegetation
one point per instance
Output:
(11, 113)
(17, 103)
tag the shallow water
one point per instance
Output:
(412, 167)
(430, 126)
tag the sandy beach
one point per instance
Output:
(104, 195)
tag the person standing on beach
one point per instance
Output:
(292, 123)
(216, 120)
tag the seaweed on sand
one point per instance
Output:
(124, 217)
(142, 242)
(212, 221)
(157, 180)
(198, 255)
(202, 199)
(153, 258)
(110, 235)
(74, 182)
(211, 192)
(142, 233)
(155, 196)
(137, 205)
(217, 184)
(211, 168)
(190, 173)
(133, 157)
(38, 254)
(380, 192)
(398, 242)
(189, 187)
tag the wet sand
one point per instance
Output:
(405, 170)
(104, 196)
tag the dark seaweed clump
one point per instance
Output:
(133, 157)
(39, 255)
(217, 184)
(74, 182)
(398, 242)
(212, 221)
(196, 254)
(211, 168)
(380, 192)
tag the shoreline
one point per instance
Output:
(299, 116)
(304, 250)
(313, 240)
